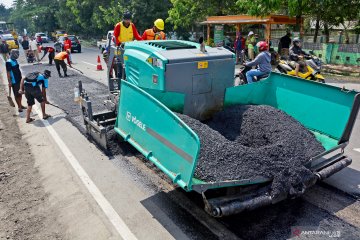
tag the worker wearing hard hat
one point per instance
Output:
(250, 43)
(155, 33)
(125, 31)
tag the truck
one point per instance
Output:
(102, 45)
(157, 79)
(56, 34)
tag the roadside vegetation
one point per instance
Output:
(92, 18)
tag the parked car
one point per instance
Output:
(43, 36)
(75, 43)
(10, 41)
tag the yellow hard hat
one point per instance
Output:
(159, 23)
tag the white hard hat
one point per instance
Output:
(251, 33)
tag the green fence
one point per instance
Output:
(333, 53)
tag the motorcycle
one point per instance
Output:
(310, 72)
(240, 79)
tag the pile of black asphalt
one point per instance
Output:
(249, 142)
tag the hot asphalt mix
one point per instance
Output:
(245, 142)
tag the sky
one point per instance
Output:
(7, 3)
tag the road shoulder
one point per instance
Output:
(41, 196)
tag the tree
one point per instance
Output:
(4, 13)
(185, 13)
(334, 13)
(35, 15)
(144, 12)
(328, 12)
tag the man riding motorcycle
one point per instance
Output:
(297, 55)
(262, 61)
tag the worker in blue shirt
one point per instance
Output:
(30, 85)
(14, 76)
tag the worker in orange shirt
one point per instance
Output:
(155, 33)
(60, 61)
(125, 31)
(67, 45)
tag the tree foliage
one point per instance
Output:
(96, 17)
(185, 13)
(4, 13)
(144, 12)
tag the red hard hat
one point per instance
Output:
(262, 45)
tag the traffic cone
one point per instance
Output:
(99, 67)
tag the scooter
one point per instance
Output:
(240, 79)
(310, 72)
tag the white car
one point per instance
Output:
(44, 38)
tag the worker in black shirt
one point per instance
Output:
(4, 50)
(284, 45)
(25, 45)
(14, 76)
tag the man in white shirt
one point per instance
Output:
(34, 47)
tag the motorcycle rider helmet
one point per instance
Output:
(262, 45)
(296, 41)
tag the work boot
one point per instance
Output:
(60, 75)
(66, 75)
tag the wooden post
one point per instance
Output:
(238, 29)
(268, 33)
(208, 34)
(301, 28)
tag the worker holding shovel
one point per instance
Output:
(14, 79)
(60, 61)
(30, 85)
(51, 52)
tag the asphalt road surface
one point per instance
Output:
(151, 208)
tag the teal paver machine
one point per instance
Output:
(154, 80)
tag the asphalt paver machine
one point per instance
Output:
(156, 79)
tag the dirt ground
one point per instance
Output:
(25, 212)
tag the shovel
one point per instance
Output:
(11, 102)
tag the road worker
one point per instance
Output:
(14, 76)
(30, 85)
(67, 45)
(155, 33)
(51, 52)
(60, 61)
(125, 31)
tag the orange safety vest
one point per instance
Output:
(126, 33)
(61, 56)
(151, 35)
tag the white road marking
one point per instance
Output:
(357, 149)
(89, 63)
(109, 211)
